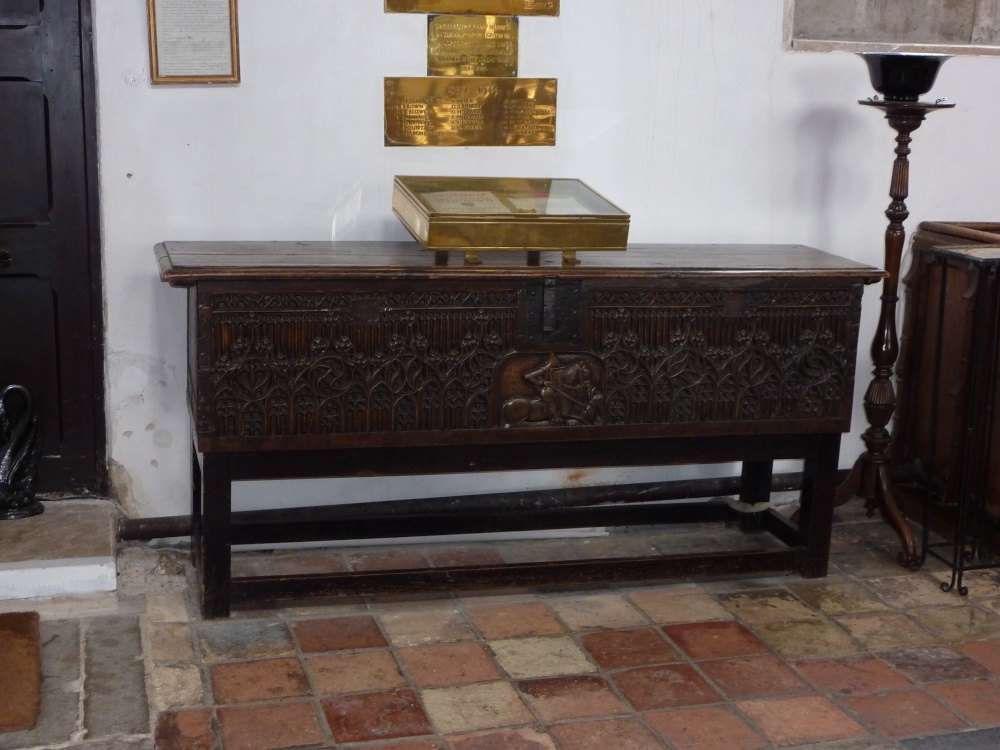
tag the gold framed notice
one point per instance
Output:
(193, 41)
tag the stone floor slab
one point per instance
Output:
(170, 643)
(852, 675)
(551, 656)
(799, 640)
(526, 738)
(444, 664)
(602, 611)
(514, 620)
(840, 598)
(270, 726)
(177, 686)
(754, 677)
(904, 592)
(115, 680)
(621, 734)
(665, 686)
(629, 648)
(978, 701)
(228, 640)
(590, 660)
(420, 627)
(184, 730)
(798, 721)
(984, 739)
(759, 607)
(936, 664)
(959, 624)
(69, 529)
(577, 697)
(715, 640)
(468, 708)
(338, 634)
(376, 716)
(709, 728)
(905, 713)
(678, 604)
(885, 630)
(363, 671)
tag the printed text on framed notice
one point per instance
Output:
(193, 41)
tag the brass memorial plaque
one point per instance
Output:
(470, 111)
(472, 46)
(478, 7)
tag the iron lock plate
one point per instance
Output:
(553, 313)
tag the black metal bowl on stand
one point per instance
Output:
(902, 76)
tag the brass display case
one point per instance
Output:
(480, 214)
(480, 7)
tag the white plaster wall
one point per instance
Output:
(688, 113)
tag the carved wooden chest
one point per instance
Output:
(354, 359)
(371, 343)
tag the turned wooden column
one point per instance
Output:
(870, 476)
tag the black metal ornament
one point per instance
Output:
(20, 448)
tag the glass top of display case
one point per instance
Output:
(508, 195)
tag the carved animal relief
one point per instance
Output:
(536, 391)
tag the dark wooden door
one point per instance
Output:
(51, 326)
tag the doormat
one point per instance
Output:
(21, 667)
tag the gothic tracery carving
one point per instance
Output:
(400, 361)
(674, 357)
(304, 364)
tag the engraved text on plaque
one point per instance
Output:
(470, 111)
(472, 46)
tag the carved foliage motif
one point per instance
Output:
(328, 363)
(300, 364)
(694, 356)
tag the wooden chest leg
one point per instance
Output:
(215, 564)
(196, 510)
(755, 487)
(819, 486)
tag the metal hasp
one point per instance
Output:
(553, 313)
(870, 477)
(20, 447)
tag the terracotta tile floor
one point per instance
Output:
(870, 658)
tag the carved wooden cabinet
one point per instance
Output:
(334, 359)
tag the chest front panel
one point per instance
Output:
(515, 354)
